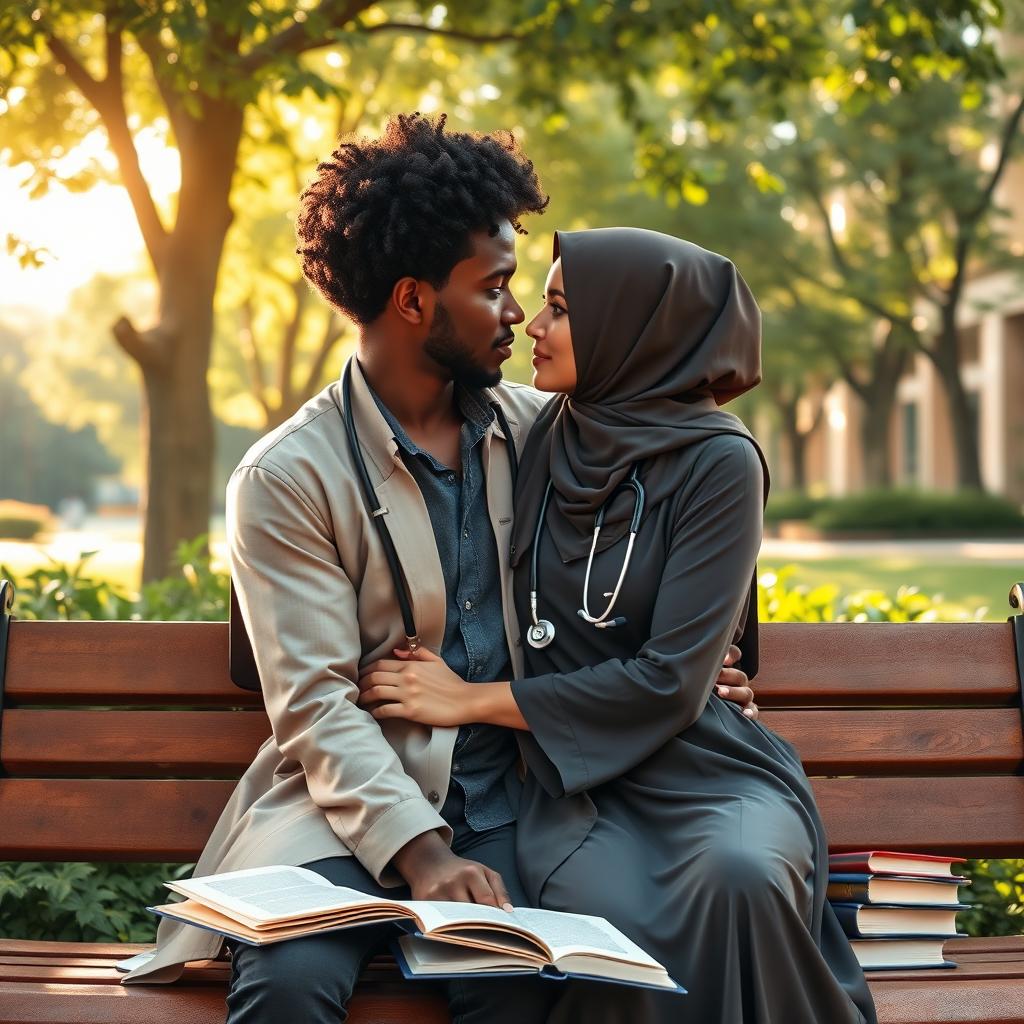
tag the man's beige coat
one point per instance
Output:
(318, 602)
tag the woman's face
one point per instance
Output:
(554, 365)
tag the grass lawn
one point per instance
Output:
(972, 584)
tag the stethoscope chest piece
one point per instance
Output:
(540, 634)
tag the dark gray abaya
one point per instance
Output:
(650, 801)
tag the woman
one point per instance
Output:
(651, 801)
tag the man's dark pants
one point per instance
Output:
(310, 980)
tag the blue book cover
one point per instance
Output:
(549, 971)
(894, 890)
(884, 920)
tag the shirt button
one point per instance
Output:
(451, 478)
(433, 797)
(457, 767)
(468, 606)
(465, 533)
(512, 551)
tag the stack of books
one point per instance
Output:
(897, 908)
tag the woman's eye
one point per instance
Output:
(495, 293)
(557, 311)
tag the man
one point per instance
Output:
(413, 238)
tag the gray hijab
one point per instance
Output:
(664, 332)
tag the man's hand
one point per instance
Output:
(435, 873)
(732, 684)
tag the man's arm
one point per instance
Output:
(299, 607)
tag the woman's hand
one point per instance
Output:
(733, 684)
(417, 686)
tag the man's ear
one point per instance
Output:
(413, 300)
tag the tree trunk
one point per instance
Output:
(796, 443)
(946, 358)
(174, 355)
(878, 396)
(874, 437)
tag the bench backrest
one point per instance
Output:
(122, 740)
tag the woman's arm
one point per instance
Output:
(598, 722)
(595, 723)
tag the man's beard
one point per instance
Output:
(445, 347)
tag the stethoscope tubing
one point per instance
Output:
(377, 512)
(542, 631)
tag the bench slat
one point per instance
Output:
(972, 817)
(121, 663)
(128, 744)
(117, 819)
(186, 663)
(946, 999)
(855, 742)
(50, 1002)
(887, 663)
(205, 744)
(74, 819)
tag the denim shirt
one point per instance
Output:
(474, 645)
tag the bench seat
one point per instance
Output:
(58, 982)
(122, 741)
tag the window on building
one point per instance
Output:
(909, 433)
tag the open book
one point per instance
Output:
(263, 905)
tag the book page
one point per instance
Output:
(436, 914)
(425, 956)
(261, 896)
(568, 934)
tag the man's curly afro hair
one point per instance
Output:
(405, 205)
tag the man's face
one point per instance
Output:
(470, 333)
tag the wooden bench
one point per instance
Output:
(121, 741)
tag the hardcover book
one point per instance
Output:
(272, 904)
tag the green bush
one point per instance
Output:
(792, 505)
(76, 902)
(193, 593)
(916, 512)
(96, 902)
(19, 527)
(22, 521)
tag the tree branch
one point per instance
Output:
(814, 191)
(287, 361)
(871, 305)
(295, 39)
(253, 357)
(140, 346)
(157, 55)
(89, 87)
(967, 226)
(333, 333)
(107, 96)
(448, 33)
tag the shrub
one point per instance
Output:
(792, 505)
(195, 592)
(920, 512)
(76, 902)
(20, 521)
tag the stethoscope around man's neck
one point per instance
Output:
(378, 511)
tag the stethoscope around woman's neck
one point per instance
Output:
(542, 631)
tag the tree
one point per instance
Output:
(908, 180)
(200, 69)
